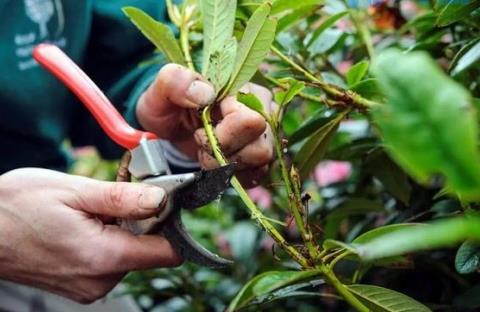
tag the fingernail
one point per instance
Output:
(152, 198)
(200, 93)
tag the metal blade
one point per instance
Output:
(208, 186)
(187, 247)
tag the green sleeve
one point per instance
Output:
(113, 59)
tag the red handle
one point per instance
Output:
(60, 65)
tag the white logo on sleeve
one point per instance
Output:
(40, 12)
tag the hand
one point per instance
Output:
(52, 236)
(169, 108)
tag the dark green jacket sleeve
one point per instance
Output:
(113, 59)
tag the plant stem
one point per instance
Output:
(294, 201)
(254, 211)
(340, 257)
(184, 31)
(301, 94)
(337, 93)
(342, 289)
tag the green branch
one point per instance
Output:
(343, 290)
(294, 201)
(184, 43)
(336, 93)
(254, 211)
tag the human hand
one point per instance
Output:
(52, 236)
(169, 108)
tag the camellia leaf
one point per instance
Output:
(265, 283)
(351, 207)
(253, 47)
(356, 73)
(456, 10)
(390, 174)
(221, 64)
(282, 98)
(379, 299)
(467, 259)
(308, 127)
(292, 291)
(316, 146)
(369, 88)
(330, 21)
(466, 57)
(424, 101)
(279, 6)
(218, 21)
(159, 34)
(293, 18)
(439, 234)
(373, 234)
(252, 101)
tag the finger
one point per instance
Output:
(118, 199)
(256, 154)
(239, 127)
(139, 252)
(177, 87)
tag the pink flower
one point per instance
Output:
(329, 172)
(261, 196)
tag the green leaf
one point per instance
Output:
(330, 21)
(280, 6)
(316, 146)
(292, 291)
(295, 17)
(366, 237)
(369, 88)
(243, 241)
(252, 101)
(218, 22)
(159, 34)
(466, 57)
(456, 10)
(253, 48)
(439, 234)
(351, 207)
(354, 150)
(467, 259)
(308, 127)
(390, 174)
(265, 283)
(424, 101)
(221, 64)
(283, 98)
(356, 73)
(379, 299)
(383, 230)
(326, 41)
(330, 244)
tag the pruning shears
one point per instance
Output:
(146, 163)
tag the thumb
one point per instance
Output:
(119, 199)
(176, 87)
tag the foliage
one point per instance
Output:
(392, 89)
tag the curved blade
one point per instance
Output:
(187, 247)
(208, 186)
